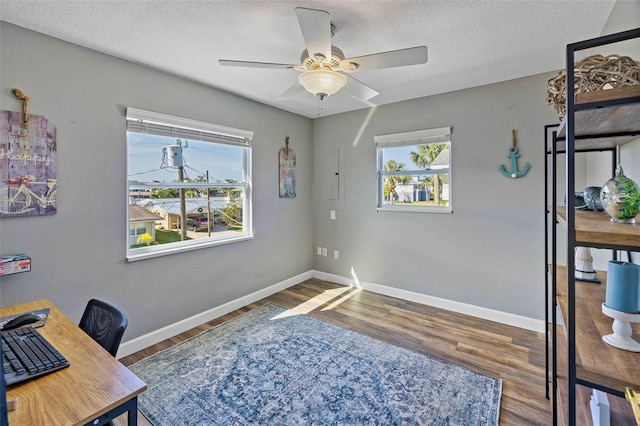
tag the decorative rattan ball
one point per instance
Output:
(593, 73)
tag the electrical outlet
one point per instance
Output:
(319, 251)
(332, 215)
(336, 254)
(324, 251)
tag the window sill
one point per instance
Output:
(409, 209)
(158, 251)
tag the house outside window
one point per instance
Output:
(414, 171)
(142, 226)
(188, 184)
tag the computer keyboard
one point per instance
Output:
(26, 354)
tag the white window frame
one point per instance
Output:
(413, 138)
(142, 121)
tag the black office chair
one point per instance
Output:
(104, 323)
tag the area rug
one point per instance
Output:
(274, 367)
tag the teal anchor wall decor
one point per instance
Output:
(513, 155)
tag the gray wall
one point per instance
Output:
(490, 251)
(79, 252)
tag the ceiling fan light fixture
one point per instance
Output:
(322, 82)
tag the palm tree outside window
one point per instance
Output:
(414, 171)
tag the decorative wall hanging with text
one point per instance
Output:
(287, 171)
(514, 173)
(28, 154)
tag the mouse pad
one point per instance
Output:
(43, 313)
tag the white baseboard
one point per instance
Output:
(157, 336)
(451, 305)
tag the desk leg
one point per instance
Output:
(130, 407)
(132, 411)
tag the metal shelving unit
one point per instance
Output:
(595, 121)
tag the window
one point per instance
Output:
(414, 170)
(137, 229)
(189, 181)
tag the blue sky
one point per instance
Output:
(400, 154)
(145, 159)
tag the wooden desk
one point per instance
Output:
(92, 390)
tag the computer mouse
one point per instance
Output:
(21, 321)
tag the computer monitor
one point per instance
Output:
(4, 421)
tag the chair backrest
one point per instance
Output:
(104, 323)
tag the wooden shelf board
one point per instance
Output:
(596, 228)
(605, 120)
(597, 361)
(608, 95)
(621, 412)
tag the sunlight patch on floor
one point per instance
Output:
(344, 298)
(316, 302)
(356, 287)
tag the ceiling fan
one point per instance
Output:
(324, 68)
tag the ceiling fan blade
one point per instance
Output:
(359, 90)
(248, 64)
(316, 31)
(292, 91)
(394, 58)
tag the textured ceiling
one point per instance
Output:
(470, 43)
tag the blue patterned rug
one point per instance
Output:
(268, 367)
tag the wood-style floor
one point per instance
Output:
(512, 354)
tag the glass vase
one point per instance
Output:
(620, 198)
